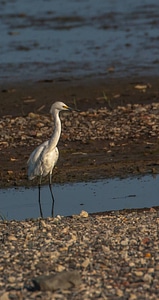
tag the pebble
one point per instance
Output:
(147, 278)
(84, 214)
(125, 242)
(86, 263)
(11, 279)
(119, 293)
(12, 238)
(59, 268)
(138, 273)
(130, 121)
(4, 296)
(132, 297)
(108, 264)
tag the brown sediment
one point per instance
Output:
(25, 123)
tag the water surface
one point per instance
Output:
(65, 39)
(98, 196)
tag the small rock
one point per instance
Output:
(12, 238)
(151, 270)
(4, 296)
(54, 256)
(132, 297)
(141, 86)
(138, 273)
(84, 214)
(119, 293)
(32, 115)
(105, 249)
(85, 263)
(10, 172)
(148, 255)
(11, 279)
(125, 242)
(62, 280)
(147, 278)
(131, 264)
(59, 268)
(152, 210)
(146, 241)
(58, 217)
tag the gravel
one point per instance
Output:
(132, 122)
(114, 256)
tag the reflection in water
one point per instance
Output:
(103, 195)
(80, 38)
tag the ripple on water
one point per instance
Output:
(81, 38)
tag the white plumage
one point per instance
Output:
(43, 159)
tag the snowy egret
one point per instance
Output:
(43, 159)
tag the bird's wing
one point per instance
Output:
(34, 159)
(36, 153)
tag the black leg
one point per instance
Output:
(53, 200)
(41, 213)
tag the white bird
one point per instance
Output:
(43, 159)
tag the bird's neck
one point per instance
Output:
(57, 131)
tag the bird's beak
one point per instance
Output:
(65, 107)
(70, 108)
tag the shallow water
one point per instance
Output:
(98, 196)
(59, 39)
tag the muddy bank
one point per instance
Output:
(89, 158)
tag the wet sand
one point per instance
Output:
(125, 159)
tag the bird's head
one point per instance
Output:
(58, 106)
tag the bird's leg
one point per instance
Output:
(41, 213)
(53, 200)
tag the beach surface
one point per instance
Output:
(107, 256)
(115, 254)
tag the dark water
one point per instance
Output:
(70, 199)
(64, 39)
